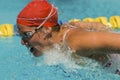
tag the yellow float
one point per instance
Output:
(115, 21)
(6, 30)
(74, 20)
(103, 20)
(89, 20)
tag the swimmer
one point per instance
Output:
(38, 26)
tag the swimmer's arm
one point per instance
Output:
(95, 42)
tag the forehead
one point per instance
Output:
(22, 28)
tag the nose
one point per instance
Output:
(22, 42)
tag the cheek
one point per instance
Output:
(36, 41)
(37, 47)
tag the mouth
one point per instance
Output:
(35, 52)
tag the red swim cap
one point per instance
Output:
(35, 13)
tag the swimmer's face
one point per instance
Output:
(36, 41)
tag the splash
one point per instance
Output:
(56, 56)
(115, 59)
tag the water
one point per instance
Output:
(68, 9)
(16, 63)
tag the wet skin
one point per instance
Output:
(77, 39)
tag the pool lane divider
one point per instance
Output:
(7, 30)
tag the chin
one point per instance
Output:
(37, 54)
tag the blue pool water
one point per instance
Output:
(16, 63)
(68, 9)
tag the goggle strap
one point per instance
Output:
(49, 15)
